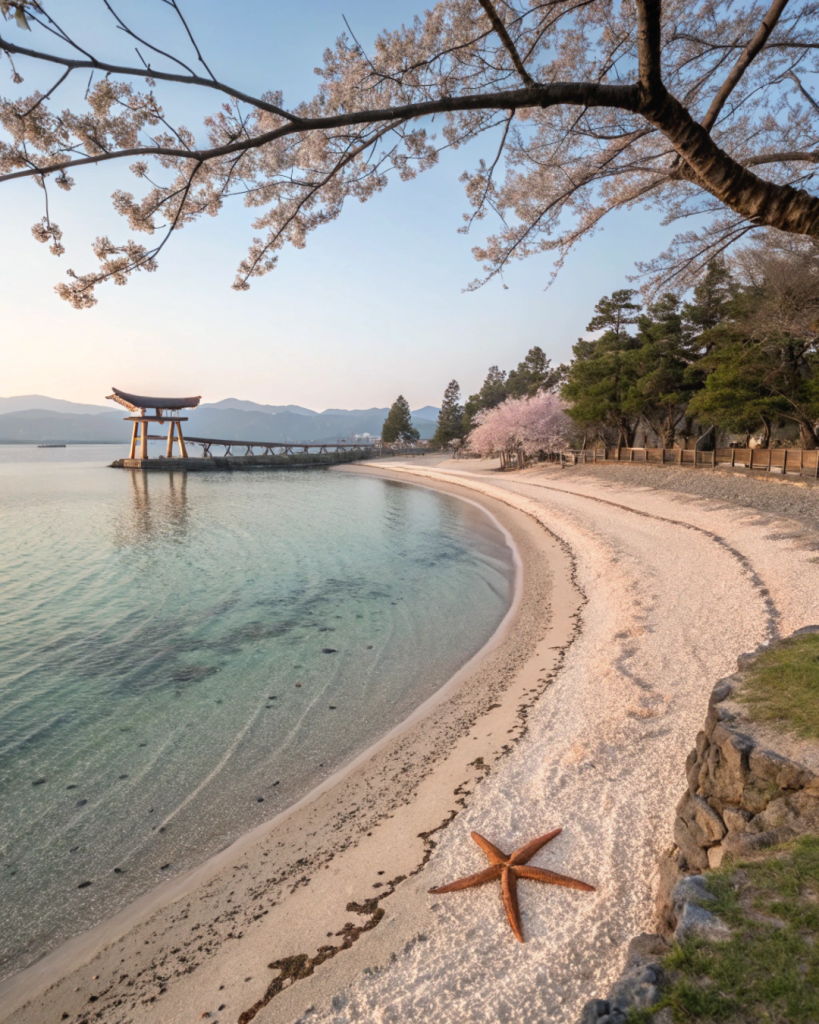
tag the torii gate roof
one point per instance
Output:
(137, 402)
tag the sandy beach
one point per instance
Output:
(639, 589)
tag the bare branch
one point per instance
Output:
(175, 5)
(758, 40)
(164, 76)
(506, 39)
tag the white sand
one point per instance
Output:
(675, 588)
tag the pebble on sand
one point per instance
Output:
(83, 885)
(329, 650)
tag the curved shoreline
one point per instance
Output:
(71, 957)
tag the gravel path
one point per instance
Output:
(682, 572)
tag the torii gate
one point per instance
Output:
(139, 404)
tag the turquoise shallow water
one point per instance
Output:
(182, 657)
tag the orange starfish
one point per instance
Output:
(509, 869)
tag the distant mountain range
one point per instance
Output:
(35, 419)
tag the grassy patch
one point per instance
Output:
(768, 973)
(783, 686)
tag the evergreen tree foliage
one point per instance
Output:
(600, 383)
(492, 393)
(451, 417)
(533, 374)
(398, 424)
(663, 364)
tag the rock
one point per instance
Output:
(743, 844)
(670, 871)
(728, 764)
(804, 804)
(735, 818)
(594, 1010)
(637, 988)
(708, 820)
(691, 889)
(716, 855)
(757, 794)
(777, 815)
(722, 691)
(704, 824)
(701, 923)
(692, 772)
(778, 770)
(689, 847)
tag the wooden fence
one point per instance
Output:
(769, 460)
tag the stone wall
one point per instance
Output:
(742, 795)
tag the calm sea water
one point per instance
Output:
(182, 657)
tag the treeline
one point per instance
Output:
(740, 357)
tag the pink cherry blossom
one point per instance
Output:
(533, 425)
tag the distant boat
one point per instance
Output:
(51, 446)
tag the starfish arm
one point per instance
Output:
(495, 855)
(541, 875)
(509, 886)
(523, 854)
(487, 875)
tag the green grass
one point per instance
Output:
(768, 972)
(783, 686)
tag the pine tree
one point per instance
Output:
(451, 417)
(492, 393)
(615, 313)
(398, 424)
(534, 373)
(600, 381)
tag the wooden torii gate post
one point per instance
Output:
(139, 404)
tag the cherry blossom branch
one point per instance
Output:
(557, 93)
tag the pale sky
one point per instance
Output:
(373, 306)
